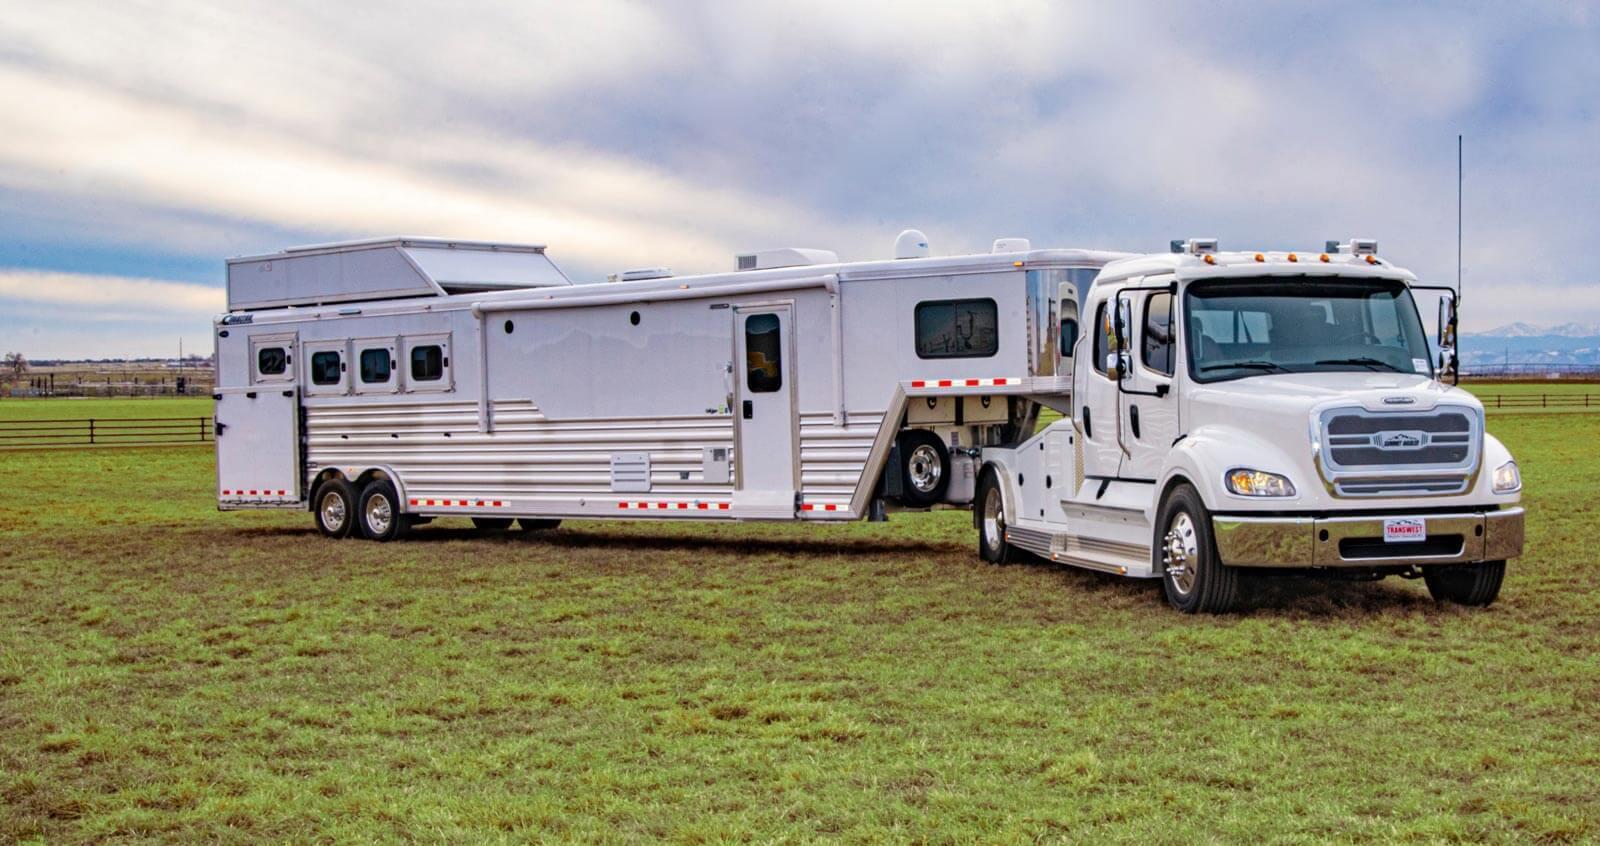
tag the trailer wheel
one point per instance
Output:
(1465, 584)
(334, 508)
(533, 524)
(491, 524)
(924, 467)
(380, 514)
(991, 519)
(1194, 579)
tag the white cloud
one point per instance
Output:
(75, 296)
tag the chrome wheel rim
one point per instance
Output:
(1180, 552)
(994, 521)
(924, 468)
(379, 514)
(333, 511)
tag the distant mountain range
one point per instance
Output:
(1524, 343)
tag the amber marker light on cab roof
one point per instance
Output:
(1260, 257)
(1372, 259)
(1324, 258)
(1293, 257)
(1211, 259)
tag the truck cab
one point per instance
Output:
(1250, 410)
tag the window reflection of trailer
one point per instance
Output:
(385, 383)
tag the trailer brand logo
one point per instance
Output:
(1400, 440)
(1399, 400)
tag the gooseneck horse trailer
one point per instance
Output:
(1225, 412)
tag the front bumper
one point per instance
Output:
(1453, 538)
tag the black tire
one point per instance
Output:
(1194, 579)
(380, 514)
(491, 524)
(1476, 585)
(988, 512)
(333, 507)
(533, 524)
(924, 468)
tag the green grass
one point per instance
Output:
(172, 673)
(123, 407)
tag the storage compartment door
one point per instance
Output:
(258, 446)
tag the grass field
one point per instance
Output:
(172, 673)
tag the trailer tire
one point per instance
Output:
(990, 515)
(534, 524)
(491, 524)
(333, 507)
(380, 514)
(1476, 585)
(924, 468)
(1193, 578)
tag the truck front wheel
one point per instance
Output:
(991, 519)
(1465, 584)
(1194, 579)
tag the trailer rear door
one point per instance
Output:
(258, 446)
(764, 455)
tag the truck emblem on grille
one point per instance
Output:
(1399, 400)
(1400, 440)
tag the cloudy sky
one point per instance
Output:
(143, 142)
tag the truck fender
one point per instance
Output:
(1203, 455)
(1003, 476)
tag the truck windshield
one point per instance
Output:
(1255, 326)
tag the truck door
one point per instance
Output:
(258, 445)
(1094, 403)
(766, 476)
(1149, 408)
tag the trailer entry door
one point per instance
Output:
(764, 454)
(258, 446)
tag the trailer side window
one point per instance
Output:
(1157, 333)
(375, 366)
(763, 353)
(272, 361)
(325, 368)
(957, 329)
(427, 363)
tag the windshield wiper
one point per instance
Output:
(1267, 366)
(1364, 361)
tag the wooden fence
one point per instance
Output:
(98, 432)
(1513, 402)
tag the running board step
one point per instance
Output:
(1089, 553)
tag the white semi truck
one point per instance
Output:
(1228, 410)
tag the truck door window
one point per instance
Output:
(325, 368)
(763, 353)
(957, 329)
(272, 361)
(427, 363)
(1099, 345)
(1156, 348)
(375, 366)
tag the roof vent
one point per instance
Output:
(1196, 246)
(786, 257)
(639, 273)
(1011, 245)
(911, 244)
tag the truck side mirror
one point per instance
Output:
(1449, 363)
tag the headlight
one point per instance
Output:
(1507, 479)
(1246, 482)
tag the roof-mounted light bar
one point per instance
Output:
(1196, 246)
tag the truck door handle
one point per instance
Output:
(1133, 419)
(749, 410)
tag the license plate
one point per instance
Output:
(1405, 530)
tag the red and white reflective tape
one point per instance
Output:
(823, 506)
(631, 505)
(966, 383)
(255, 493)
(460, 503)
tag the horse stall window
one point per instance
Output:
(427, 360)
(957, 329)
(325, 367)
(272, 358)
(272, 361)
(375, 366)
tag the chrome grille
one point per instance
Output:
(1374, 453)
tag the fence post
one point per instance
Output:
(91, 431)
(202, 422)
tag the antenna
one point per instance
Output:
(1458, 217)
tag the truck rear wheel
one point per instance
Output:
(333, 506)
(924, 467)
(380, 514)
(1465, 584)
(1194, 579)
(990, 514)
